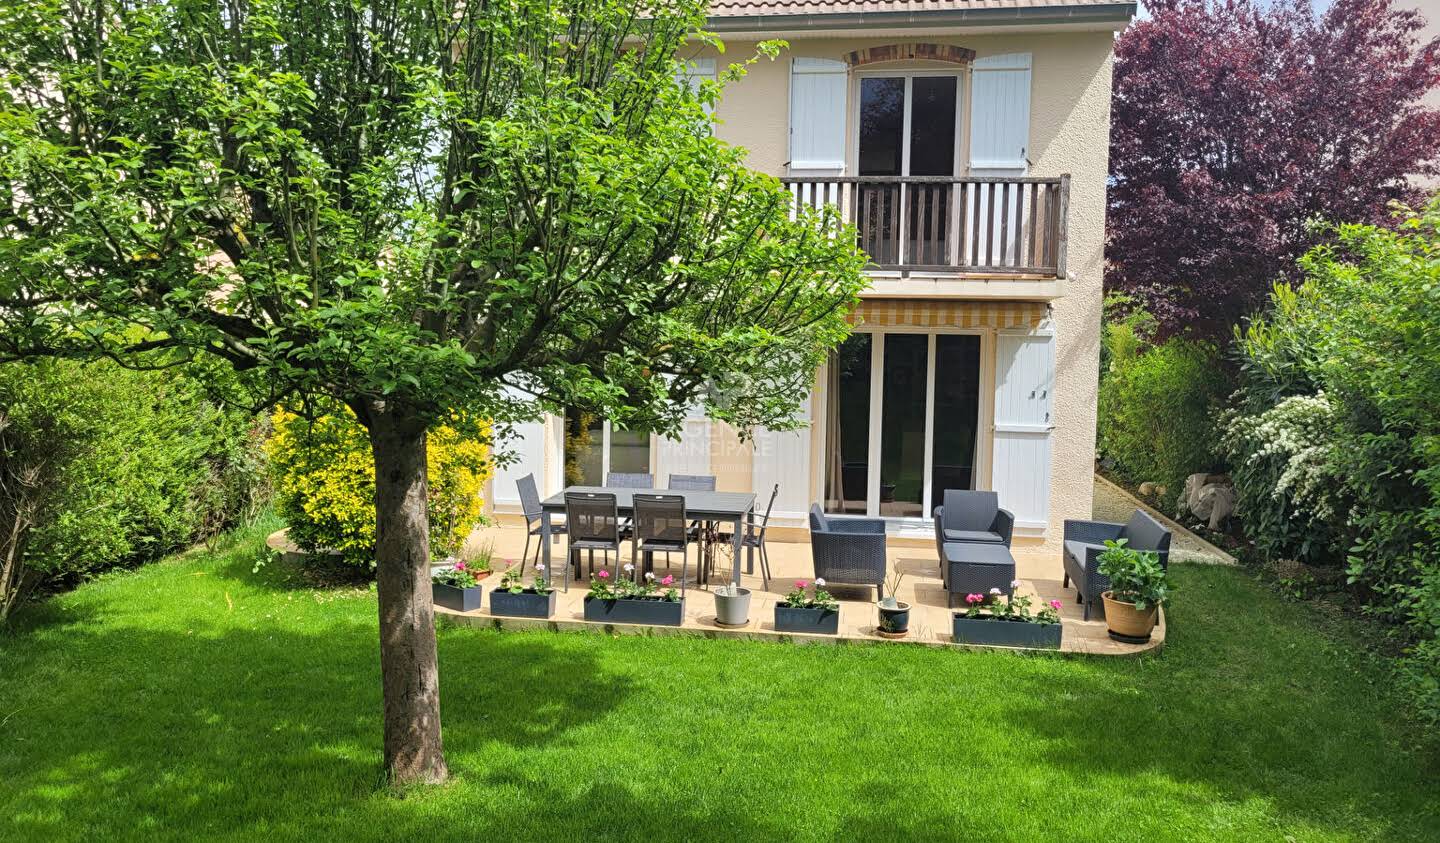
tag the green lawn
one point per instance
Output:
(196, 699)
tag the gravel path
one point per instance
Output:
(1113, 503)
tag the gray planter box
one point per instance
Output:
(812, 621)
(458, 599)
(639, 611)
(997, 633)
(526, 604)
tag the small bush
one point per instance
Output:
(1157, 402)
(324, 476)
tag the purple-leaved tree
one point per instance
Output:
(1236, 122)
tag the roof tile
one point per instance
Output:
(756, 8)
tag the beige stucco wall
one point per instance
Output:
(1069, 126)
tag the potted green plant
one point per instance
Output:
(732, 605)
(624, 600)
(814, 611)
(1138, 586)
(456, 585)
(513, 598)
(894, 613)
(995, 621)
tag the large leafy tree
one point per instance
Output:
(411, 208)
(1236, 123)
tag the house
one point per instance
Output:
(968, 141)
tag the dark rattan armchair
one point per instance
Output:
(1085, 541)
(974, 517)
(848, 550)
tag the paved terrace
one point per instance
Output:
(1038, 569)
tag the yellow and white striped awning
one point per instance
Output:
(920, 313)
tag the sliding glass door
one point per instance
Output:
(903, 418)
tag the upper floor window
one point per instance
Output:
(908, 124)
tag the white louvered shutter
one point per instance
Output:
(1000, 113)
(1024, 401)
(817, 114)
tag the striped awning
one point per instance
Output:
(921, 313)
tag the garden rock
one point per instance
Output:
(1210, 497)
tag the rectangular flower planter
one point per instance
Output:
(458, 599)
(997, 633)
(526, 604)
(650, 612)
(813, 621)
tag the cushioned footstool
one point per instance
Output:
(977, 568)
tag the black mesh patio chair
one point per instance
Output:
(696, 483)
(973, 516)
(754, 539)
(624, 480)
(848, 550)
(1085, 541)
(534, 519)
(594, 524)
(692, 483)
(661, 527)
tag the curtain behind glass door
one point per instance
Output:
(847, 457)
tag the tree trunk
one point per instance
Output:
(410, 673)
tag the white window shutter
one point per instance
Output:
(817, 114)
(1024, 401)
(1000, 112)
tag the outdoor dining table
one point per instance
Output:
(733, 508)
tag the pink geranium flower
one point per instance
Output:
(669, 580)
(604, 574)
(974, 598)
(1055, 604)
(801, 584)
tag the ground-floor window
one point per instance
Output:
(594, 448)
(902, 416)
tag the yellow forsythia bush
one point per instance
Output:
(324, 477)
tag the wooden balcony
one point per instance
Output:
(965, 228)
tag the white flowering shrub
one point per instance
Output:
(1288, 490)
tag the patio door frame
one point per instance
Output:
(961, 140)
(984, 422)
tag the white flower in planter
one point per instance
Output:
(819, 582)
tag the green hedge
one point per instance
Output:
(124, 466)
(1157, 401)
(1334, 439)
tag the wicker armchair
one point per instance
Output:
(1085, 541)
(974, 517)
(848, 550)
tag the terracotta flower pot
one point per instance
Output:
(1126, 622)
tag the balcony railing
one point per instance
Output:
(974, 226)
